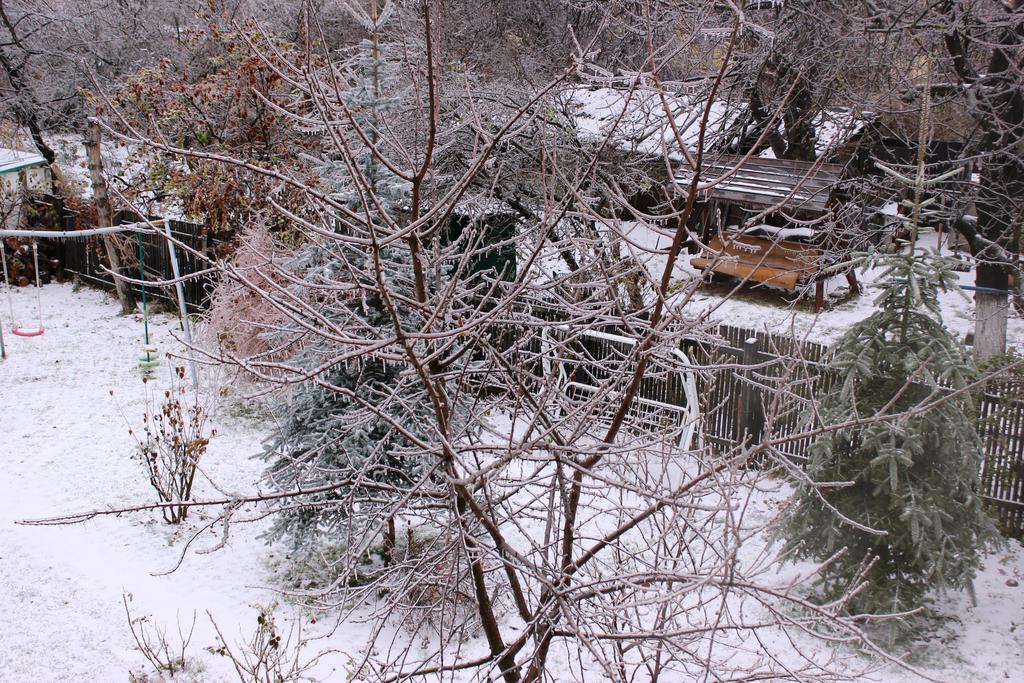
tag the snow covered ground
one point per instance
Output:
(64, 447)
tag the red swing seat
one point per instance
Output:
(21, 332)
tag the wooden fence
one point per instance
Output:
(750, 383)
(85, 258)
(748, 378)
(1001, 426)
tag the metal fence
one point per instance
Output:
(593, 368)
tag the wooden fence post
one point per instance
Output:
(105, 215)
(749, 420)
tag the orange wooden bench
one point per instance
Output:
(783, 263)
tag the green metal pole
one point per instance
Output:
(142, 276)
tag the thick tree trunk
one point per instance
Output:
(776, 141)
(995, 238)
(990, 309)
(105, 214)
(990, 325)
(798, 115)
(996, 218)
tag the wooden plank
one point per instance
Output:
(787, 279)
(761, 199)
(774, 183)
(785, 252)
(781, 263)
(766, 182)
(768, 165)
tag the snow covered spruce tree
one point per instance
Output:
(351, 420)
(905, 487)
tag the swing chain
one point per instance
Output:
(21, 332)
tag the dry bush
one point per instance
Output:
(168, 656)
(269, 655)
(241, 323)
(173, 441)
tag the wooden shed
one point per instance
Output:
(760, 223)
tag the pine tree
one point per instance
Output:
(914, 476)
(340, 426)
(911, 513)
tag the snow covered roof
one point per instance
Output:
(800, 185)
(636, 121)
(832, 129)
(14, 160)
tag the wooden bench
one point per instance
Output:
(782, 263)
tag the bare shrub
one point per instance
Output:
(240, 323)
(174, 440)
(167, 655)
(429, 580)
(269, 655)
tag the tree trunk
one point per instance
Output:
(389, 543)
(105, 214)
(995, 240)
(798, 115)
(990, 325)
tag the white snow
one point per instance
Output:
(764, 309)
(780, 233)
(124, 166)
(636, 121)
(890, 209)
(14, 159)
(832, 128)
(64, 447)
